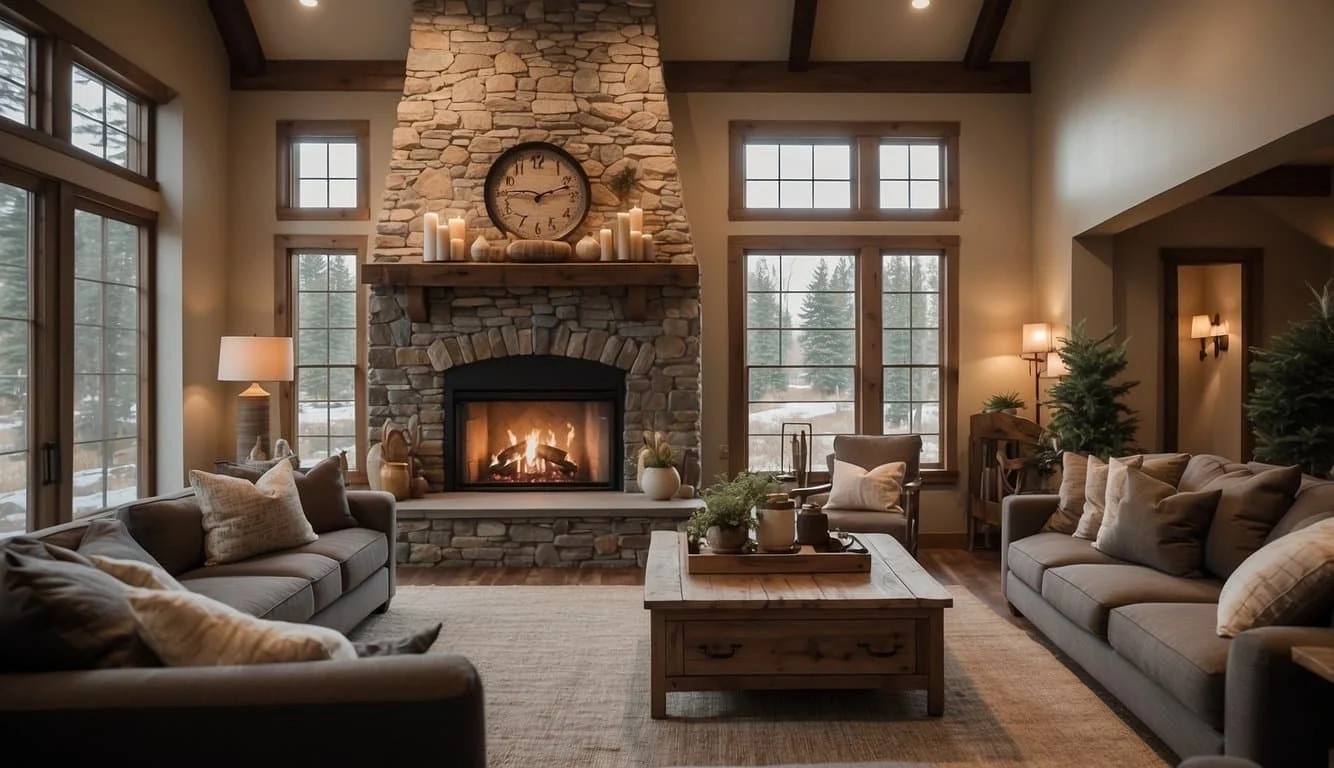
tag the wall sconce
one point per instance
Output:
(1204, 329)
(1035, 348)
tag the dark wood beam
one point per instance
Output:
(319, 75)
(990, 20)
(1286, 181)
(845, 77)
(803, 29)
(237, 30)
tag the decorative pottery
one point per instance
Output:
(729, 540)
(481, 249)
(812, 526)
(374, 461)
(394, 478)
(660, 483)
(588, 249)
(685, 491)
(419, 487)
(257, 452)
(777, 528)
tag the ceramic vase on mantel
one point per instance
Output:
(396, 479)
(659, 483)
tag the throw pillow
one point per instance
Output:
(190, 630)
(1158, 527)
(58, 614)
(324, 497)
(858, 488)
(1250, 508)
(1165, 468)
(1095, 497)
(1070, 504)
(135, 573)
(242, 520)
(417, 642)
(109, 537)
(1287, 581)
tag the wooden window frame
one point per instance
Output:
(292, 131)
(284, 247)
(865, 139)
(869, 383)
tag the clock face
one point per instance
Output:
(536, 191)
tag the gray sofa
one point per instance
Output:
(313, 711)
(1151, 639)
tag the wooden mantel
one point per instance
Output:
(415, 277)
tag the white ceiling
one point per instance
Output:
(757, 30)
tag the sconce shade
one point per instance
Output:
(255, 358)
(1200, 327)
(1037, 339)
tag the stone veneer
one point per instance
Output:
(564, 542)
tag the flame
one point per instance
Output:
(513, 440)
(530, 449)
(569, 436)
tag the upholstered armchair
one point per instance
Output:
(869, 452)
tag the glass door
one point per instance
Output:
(16, 225)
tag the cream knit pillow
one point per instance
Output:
(876, 489)
(136, 573)
(1287, 581)
(242, 520)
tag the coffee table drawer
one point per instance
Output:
(834, 647)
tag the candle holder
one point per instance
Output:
(795, 456)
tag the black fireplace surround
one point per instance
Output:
(512, 382)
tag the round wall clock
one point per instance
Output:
(536, 191)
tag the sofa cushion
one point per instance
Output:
(1250, 508)
(1204, 468)
(1288, 581)
(322, 572)
(242, 519)
(1070, 496)
(109, 537)
(1175, 646)
(1159, 527)
(359, 552)
(1314, 502)
(877, 488)
(1030, 556)
(863, 521)
(283, 598)
(321, 488)
(171, 528)
(1085, 594)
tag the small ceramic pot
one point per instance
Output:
(730, 540)
(395, 479)
(660, 483)
(419, 487)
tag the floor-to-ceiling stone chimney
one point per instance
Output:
(585, 75)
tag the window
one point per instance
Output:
(103, 119)
(323, 170)
(845, 334)
(16, 217)
(844, 171)
(15, 66)
(324, 405)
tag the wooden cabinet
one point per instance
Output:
(1000, 450)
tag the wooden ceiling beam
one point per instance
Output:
(320, 75)
(1285, 181)
(982, 45)
(845, 77)
(239, 37)
(803, 30)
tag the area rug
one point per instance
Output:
(565, 670)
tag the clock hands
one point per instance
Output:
(540, 195)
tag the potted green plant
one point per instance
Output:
(725, 520)
(1293, 393)
(1088, 416)
(659, 479)
(1004, 402)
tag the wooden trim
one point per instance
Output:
(803, 30)
(870, 385)
(845, 77)
(1252, 292)
(737, 414)
(69, 150)
(62, 312)
(1286, 181)
(818, 129)
(237, 31)
(986, 31)
(292, 131)
(949, 395)
(325, 75)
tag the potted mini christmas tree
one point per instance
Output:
(1087, 415)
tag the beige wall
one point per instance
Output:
(252, 189)
(177, 43)
(1209, 390)
(1291, 261)
(1135, 98)
(994, 230)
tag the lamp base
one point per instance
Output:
(252, 422)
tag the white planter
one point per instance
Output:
(660, 483)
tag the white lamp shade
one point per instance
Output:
(1055, 366)
(1218, 330)
(1200, 327)
(1037, 338)
(255, 358)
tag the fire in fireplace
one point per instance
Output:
(533, 422)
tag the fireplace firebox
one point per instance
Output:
(533, 422)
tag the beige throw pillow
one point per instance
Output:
(190, 630)
(1290, 580)
(878, 489)
(136, 574)
(1095, 499)
(242, 520)
(1158, 527)
(1070, 507)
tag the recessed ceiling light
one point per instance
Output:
(313, 3)
(918, 4)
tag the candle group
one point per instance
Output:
(443, 241)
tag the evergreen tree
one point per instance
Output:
(1087, 413)
(825, 307)
(763, 347)
(1291, 407)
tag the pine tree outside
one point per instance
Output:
(326, 354)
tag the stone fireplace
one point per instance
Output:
(534, 377)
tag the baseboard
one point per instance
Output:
(942, 540)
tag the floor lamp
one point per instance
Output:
(254, 359)
(1036, 345)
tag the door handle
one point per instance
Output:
(880, 654)
(50, 464)
(709, 651)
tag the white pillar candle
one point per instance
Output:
(429, 223)
(442, 242)
(604, 239)
(637, 218)
(622, 237)
(647, 254)
(456, 249)
(456, 229)
(636, 245)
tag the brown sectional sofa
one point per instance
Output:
(1151, 639)
(311, 711)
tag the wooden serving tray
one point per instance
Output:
(805, 560)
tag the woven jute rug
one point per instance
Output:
(565, 670)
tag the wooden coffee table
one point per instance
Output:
(881, 630)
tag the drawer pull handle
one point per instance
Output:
(719, 654)
(880, 654)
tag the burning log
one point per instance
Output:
(508, 461)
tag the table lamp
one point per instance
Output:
(254, 359)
